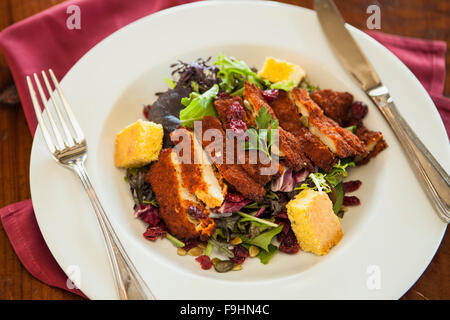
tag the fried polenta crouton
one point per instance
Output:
(313, 221)
(276, 70)
(138, 144)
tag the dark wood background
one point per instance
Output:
(428, 19)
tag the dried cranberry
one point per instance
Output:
(270, 94)
(146, 110)
(352, 186)
(205, 262)
(234, 197)
(351, 201)
(238, 126)
(358, 111)
(289, 243)
(148, 214)
(153, 232)
(235, 111)
(240, 253)
(223, 94)
(286, 227)
(189, 244)
(196, 213)
(282, 215)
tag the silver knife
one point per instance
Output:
(433, 177)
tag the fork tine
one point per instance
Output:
(76, 127)
(60, 142)
(67, 134)
(37, 110)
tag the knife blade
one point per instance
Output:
(344, 46)
(434, 179)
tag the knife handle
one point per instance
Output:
(433, 177)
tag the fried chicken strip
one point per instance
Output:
(175, 201)
(199, 175)
(338, 106)
(233, 173)
(339, 140)
(231, 111)
(289, 119)
(374, 142)
(293, 152)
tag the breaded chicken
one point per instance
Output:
(198, 174)
(175, 201)
(289, 120)
(233, 173)
(252, 161)
(295, 157)
(339, 140)
(374, 142)
(336, 105)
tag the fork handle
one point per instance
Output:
(129, 284)
(433, 177)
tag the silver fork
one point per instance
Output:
(70, 150)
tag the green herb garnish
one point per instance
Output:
(262, 137)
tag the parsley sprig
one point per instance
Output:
(263, 136)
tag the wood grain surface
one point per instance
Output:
(428, 19)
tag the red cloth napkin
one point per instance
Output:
(23, 46)
(426, 59)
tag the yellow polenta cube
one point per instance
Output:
(313, 221)
(276, 70)
(138, 144)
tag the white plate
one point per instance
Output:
(392, 236)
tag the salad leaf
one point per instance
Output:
(265, 256)
(170, 82)
(316, 181)
(248, 217)
(222, 246)
(339, 172)
(209, 249)
(140, 190)
(166, 111)
(263, 138)
(283, 85)
(198, 106)
(233, 73)
(322, 181)
(196, 76)
(264, 239)
(339, 198)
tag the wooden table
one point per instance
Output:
(429, 19)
